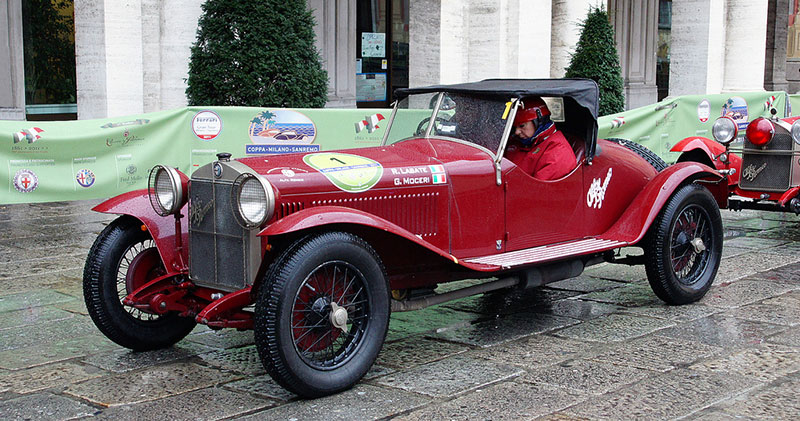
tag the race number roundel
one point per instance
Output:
(351, 173)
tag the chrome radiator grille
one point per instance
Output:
(220, 251)
(771, 168)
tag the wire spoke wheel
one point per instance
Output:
(322, 313)
(333, 289)
(690, 236)
(123, 259)
(139, 264)
(683, 247)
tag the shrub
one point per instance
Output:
(596, 58)
(256, 53)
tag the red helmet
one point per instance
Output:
(533, 108)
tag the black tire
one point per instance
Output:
(295, 336)
(104, 286)
(644, 152)
(679, 271)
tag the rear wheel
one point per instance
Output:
(321, 316)
(122, 259)
(683, 247)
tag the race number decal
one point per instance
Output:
(597, 192)
(351, 173)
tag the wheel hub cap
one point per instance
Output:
(698, 245)
(338, 317)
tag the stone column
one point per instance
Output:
(178, 33)
(12, 77)
(777, 39)
(528, 40)
(745, 45)
(697, 47)
(151, 55)
(454, 41)
(426, 39)
(108, 55)
(566, 17)
(336, 42)
(635, 32)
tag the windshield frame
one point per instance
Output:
(496, 155)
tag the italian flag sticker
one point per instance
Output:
(439, 176)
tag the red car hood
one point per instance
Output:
(350, 170)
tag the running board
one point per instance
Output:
(546, 253)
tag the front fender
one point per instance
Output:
(706, 151)
(162, 228)
(640, 214)
(327, 215)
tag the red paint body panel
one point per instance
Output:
(634, 223)
(476, 201)
(630, 173)
(326, 215)
(529, 203)
(137, 204)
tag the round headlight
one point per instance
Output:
(165, 187)
(724, 130)
(253, 200)
(796, 131)
(760, 131)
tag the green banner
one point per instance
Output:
(89, 159)
(661, 125)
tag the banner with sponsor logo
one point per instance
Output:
(660, 126)
(89, 159)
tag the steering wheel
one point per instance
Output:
(423, 125)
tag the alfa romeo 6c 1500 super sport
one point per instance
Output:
(762, 165)
(313, 251)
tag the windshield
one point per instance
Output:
(470, 118)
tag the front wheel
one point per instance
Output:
(322, 314)
(683, 247)
(122, 259)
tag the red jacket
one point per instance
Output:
(549, 158)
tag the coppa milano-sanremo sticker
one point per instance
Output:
(351, 173)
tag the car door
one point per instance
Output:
(542, 212)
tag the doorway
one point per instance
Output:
(381, 51)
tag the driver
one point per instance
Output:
(537, 147)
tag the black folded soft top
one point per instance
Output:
(583, 91)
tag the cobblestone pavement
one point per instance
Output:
(598, 346)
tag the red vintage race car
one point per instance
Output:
(313, 251)
(761, 165)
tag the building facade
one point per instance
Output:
(132, 57)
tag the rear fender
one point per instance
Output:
(328, 215)
(162, 228)
(642, 211)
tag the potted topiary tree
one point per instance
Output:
(256, 53)
(596, 58)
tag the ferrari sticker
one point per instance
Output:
(351, 173)
(597, 192)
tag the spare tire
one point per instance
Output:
(642, 151)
